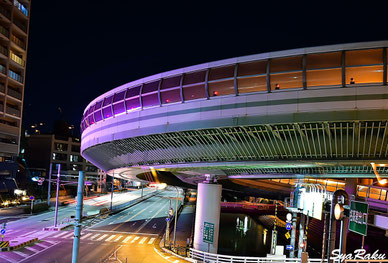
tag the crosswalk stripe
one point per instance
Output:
(93, 237)
(176, 261)
(143, 240)
(136, 238)
(110, 238)
(127, 239)
(118, 238)
(85, 236)
(60, 234)
(102, 237)
(151, 241)
(20, 253)
(68, 235)
(32, 249)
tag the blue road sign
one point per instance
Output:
(289, 247)
(167, 219)
(2, 231)
(288, 226)
(32, 197)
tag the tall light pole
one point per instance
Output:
(78, 216)
(56, 201)
(111, 194)
(176, 213)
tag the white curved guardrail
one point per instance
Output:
(201, 256)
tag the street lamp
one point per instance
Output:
(176, 213)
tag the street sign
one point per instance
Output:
(289, 247)
(32, 197)
(358, 217)
(2, 231)
(289, 217)
(208, 232)
(288, 226)
(287, 235)
(167, 219)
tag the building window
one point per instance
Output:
(194, 92)
(286, 73)
(221, 88)
(364, 66)
(75, 158)
(60, 147)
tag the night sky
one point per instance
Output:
(81, 49)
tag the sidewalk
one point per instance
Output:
(184, 226)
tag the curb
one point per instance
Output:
(10, 248)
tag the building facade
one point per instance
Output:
(14, 28)
(44, 149)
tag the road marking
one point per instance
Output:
(9, 260)
(60, 234)
(110, 238)
(93, 237)
(151, 241)
(118, 238)
(68, 235)
(85, 236)
(136, 238)
(102, 237)
(32, 249)
(176, 261)
(29, 233)
(56, 243)
(126, 239)
(20, 253)
(143, 240)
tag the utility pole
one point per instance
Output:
(111, 194)
(78, 216)
(176, 213)
(56, 201)
(49, 185)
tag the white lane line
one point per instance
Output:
(126, 239)
(60, 234)
(118, 238)
(101, 237)
(136, 238)
(143, 240)
(93, 237)
(176, 261)
(151, 241)
(7, 259)
(110, 238)
(85, 236)
(29, 233)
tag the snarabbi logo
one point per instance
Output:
(359, 254)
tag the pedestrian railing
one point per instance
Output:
(201, 256)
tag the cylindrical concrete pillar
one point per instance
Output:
(351, 186)
(207, 217)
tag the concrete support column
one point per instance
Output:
(351, 187)
(207, 217)
(301, 235)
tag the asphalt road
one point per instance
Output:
(128, 236)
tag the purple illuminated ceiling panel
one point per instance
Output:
(150, 100)
(107, 112)
(118, 107)
(133, 103)
(133, 92)
(98, 105)
(150, 87)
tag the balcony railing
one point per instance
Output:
(4, 51)
(2, 69)
(15, 76)
(13, 111)
(17, 59)
(15, 94)
(4, 31)
(20, 25)
(21, 7)
(5, 12)
(2, 88)
(18, 42)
